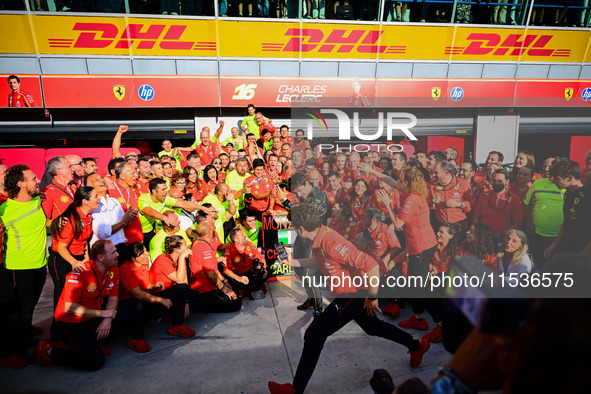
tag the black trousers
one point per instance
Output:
(19, 294)
(133, 313)
(179, 295)
(255, 280)
(215, 301)
(58, 269)
(84, 349)
(418, 265)
(339, 313)
(302, 249)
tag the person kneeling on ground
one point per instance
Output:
(210, 292)
(170, 269)
(246, 268)
(80, 320)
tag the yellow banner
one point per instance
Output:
(75, 35)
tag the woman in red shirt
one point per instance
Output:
(170, 270)
(413, 218)
(447, 248)
(178, 185)
(210, 178)
(359, 199)
(194, 184)
(136, 304)
(523, 181)
(480, 243)
(70, 233)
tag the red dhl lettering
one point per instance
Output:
(337, 41)
(104, 35)
(512, 45)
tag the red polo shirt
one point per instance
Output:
(498, 211)
(417, 228)
(132, 276)
(394, 197)
(76, 245)
(240, 262)
(207, 153)
(161, 269)
(338, 257)
(347, 231)
(88, 288)
(454, 191)
(55, 198)
(263, 184)
(384, 239)
(203, 260)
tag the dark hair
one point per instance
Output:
(13, 77)
(473, 164)
(170, 245)
(206, 177)
(566, 168)
(250, 106)
(298, 130)
(87, 159)
(233, 233)
(484, 244)
(388, 162)
(424, 171)
(305, 216)
(175, 177)
(113, 164)
(13, 176)
(154, 182)
(447, 166)
(258, 163)
(282, 126)
(438, 155)
(501, 171)
(451, 249)
(191, 155)
(374, 213)
(71, 213)
(366, 195)
(143, 158)
(136, 249)
(347, 212)
(202, 212)
(298, 179)
(499, 155)
(310, 162)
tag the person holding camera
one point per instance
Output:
(246, 268)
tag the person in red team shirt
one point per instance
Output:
(136, 304)
(144, 173)
(81, 319)
(342, 221)
(480, 242)
(170, 270)
(70, 234)
(207, 150)
(58, 195)
(122, 190)
(242, 269)
(284, 135)
(446, 196)
(19, 98)
(386, 244)
(262, 189)
(210, 291)
(498, 208)
(336, 256)
(413, 218)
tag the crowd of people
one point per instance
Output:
(179, 231)
(501, 12)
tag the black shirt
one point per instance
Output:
(576, 233)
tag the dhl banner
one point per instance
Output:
(85, 91)
(79, 35)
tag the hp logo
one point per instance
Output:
(457, 93)
(586, 94)
(146, 92)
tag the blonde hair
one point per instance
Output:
(412, 180)
(522, 251)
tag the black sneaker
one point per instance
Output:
(310, 303)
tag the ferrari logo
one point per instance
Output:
(568, 93)
(119, 92)
(436, 93)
